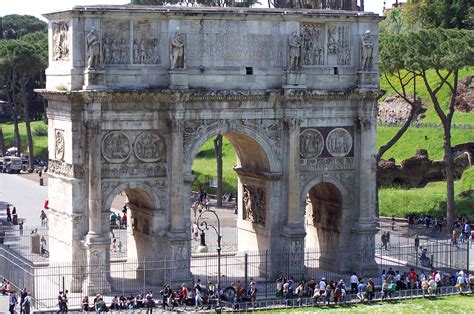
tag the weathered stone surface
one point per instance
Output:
(136, 119)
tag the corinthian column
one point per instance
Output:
(94, 177)
(177, 180)
(293, 126)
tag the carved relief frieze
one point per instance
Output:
(65, 170)
(311, 143)
(149, 147)
(59, 144)
(321, 164)
(60, 41)
(139, 170)
(146, 43)
(339, 142)
(116, 147)
(116, 43)
(254, 204)
(313, 43)
(339, 47)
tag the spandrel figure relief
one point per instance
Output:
(339, 46)
(178, 57)
(60, 41)
(116, 147)
(149, 147)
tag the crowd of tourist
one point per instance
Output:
(25, 303)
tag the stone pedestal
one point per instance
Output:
(367, 79)
(295, 80)
(180, 262)
(363, 250)
(178, 79)
(293, 251)
(98, 266)
(94, 80)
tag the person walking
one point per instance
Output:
(23, 295)
(12, 301)
(44, 218)
(28, 304)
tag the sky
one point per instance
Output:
(38, 7)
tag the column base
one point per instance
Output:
(94, 80)
(178, 79)
(180, 267)
(367, 79)
(363, 249)
(293, 251)
(98, 265)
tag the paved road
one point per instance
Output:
(26, 195)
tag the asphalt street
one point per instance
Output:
(25, 194)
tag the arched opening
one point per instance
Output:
(245, 175)
(135, 222)
(323, 218)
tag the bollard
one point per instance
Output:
(41, 182)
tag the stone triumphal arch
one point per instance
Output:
(134, 92)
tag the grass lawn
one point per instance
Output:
(449, 304)
(40, 143)
(430, 199)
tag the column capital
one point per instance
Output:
(292, 124)
(363, 123)
(93, 126)
(176, 126)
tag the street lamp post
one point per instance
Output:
(202, 224)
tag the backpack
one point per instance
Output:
(370, 288)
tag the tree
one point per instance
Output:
(15, 26)
(218, 152)
(445, 52)
(440, 13)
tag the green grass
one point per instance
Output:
(40, 143)
(443, 96)
(467, 180)
(416, 138)
(430, 199)
(449, 304)
(205, 167)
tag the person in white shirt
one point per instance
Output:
(322, 286)
(354, 282)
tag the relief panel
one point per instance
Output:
(116, 42)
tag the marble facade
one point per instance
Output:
(133, 93)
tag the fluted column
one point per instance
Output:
(177, 180)
(94, 177)
(293, 126)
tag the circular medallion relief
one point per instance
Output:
(59, 144)
(311, 143)
(116, 147)
(149, 147)
(339, 142)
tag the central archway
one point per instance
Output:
(255, 164)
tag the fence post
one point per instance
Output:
(467, 256)
(266, 273)
(246, 270)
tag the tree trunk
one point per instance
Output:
(26, 112)
(218, 152)
(2, 142)
(10, 91)
(449, 172)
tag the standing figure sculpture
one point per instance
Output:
(93, 50)
(367, 51)
(177, 51)
(294, 44)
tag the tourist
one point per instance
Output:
(65, 301)
(44, 218)
(27, 304)
(208, 204)
(12, 301)
(370, 291)
(354, 281)
(460, 282)
(253, 293)
(15, 216)
(85, 304)
(113, 246)
(385, 289)
(361, 290)
(300, 293)
(20, 226)
(424, 286)
(150, 302)
(432, 286)
(23, 295)
(322, 286)
(412, 277)
(9, 214)
(120, 246)
(392, 222)
(60, 303)
(114, 305)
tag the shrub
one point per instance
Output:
(40, 130)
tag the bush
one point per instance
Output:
(40, 130)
